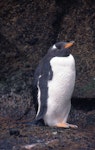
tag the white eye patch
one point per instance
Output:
(54, 47)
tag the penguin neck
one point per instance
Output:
(64, 61)
(58, 53)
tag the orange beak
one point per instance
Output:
(69, 44)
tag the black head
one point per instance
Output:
(61, 49)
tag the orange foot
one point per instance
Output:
(66, 125)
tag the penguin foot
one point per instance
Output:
(73, 126)
(66, 125)
(62, 125)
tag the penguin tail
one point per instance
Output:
(33, 123)
(39, 122)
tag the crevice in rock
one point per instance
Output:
(62, 8)
(56, 25)
(85, 104)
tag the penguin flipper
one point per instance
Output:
(37, 74)
(38, 120)
(34, 94)
(42, 75)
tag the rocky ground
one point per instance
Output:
(16, 135)
(28, 138)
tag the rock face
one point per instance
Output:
(27, 30)
(78, 24)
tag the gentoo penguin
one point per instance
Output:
(53, 85)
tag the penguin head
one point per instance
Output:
(61, 49)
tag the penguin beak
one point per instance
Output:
(69, 44)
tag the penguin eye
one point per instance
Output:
(58, 46)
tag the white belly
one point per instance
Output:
(60, 90)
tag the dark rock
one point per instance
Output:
(77, 24)
(14, 132)
(33, 41)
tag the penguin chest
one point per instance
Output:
(63, 80)
(60, 88)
